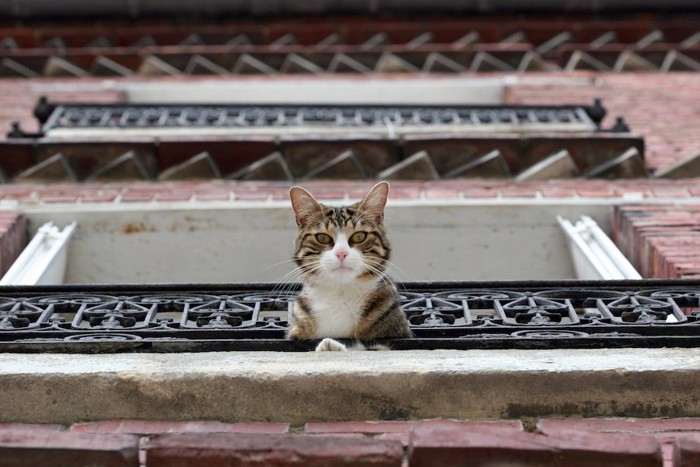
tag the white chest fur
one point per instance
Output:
(337, 308)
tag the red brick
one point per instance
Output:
(665, 430)
(212, 195)
(442, 193)
(136, 197)
(66, 198)
(98, 198)
(17, 193)
(206, 450)
(150, 427)
(248, 195)
(453, 446)
(180, 196)
(21, 448)
(370, 427)
(31, 427)
(670, 192)
(402, 193)
(686, 451)
(479, 193)
(595, 193)
(630, 425)
(519, 192)
(550, 192)
(400, 430)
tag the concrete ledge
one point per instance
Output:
(301, 387)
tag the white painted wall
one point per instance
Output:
(320, 90)
(253, 242)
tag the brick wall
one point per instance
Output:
(661, 241)
(549, 442)
(657, 106)
(13, 238)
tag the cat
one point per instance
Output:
(342, 254)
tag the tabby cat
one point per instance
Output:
(342, 254)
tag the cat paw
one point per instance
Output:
(330, 345)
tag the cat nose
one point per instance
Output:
(342, 254)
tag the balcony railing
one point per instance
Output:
(283, 119)
(182, 318)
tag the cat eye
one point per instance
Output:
(358, 237)
(323, 239)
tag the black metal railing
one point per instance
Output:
(526, 315)
(364, 117)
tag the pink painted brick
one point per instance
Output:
(180, 196)
(629, 425)
(151, 188)
(665, 430)
(320, 194)
(31, 427)
(149, 427)
(206, 450)
(283, 194)
(442, 193)
(98, 198)
(370, 427)
(136, 197)
(550, 192)
(519, 192)
(247, 195)
(686, 451)
(596, 193)
(398, 193)
(15, 193)
(404, 437)
(50, 448)
(60, 198)
(212, 195)
(670, 192)
(479, 193)
(451, 446)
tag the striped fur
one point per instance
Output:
(342, 254)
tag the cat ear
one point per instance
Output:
(374, 202)
(305, 206)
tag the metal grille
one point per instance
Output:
(396, 118)
(442, 315)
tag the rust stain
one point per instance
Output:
(137, 227)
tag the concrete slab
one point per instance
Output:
(301, 387)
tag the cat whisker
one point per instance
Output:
(286, 283)
(289, 281)
(385, 279)
(390, 265)
(281, 263)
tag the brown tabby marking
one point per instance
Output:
(342, 253)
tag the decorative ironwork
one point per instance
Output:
(395, 119)
(442, 315)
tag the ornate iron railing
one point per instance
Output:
(397, 118)
(526, 315)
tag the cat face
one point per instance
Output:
(341, 244)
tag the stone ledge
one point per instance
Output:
(304, 387)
